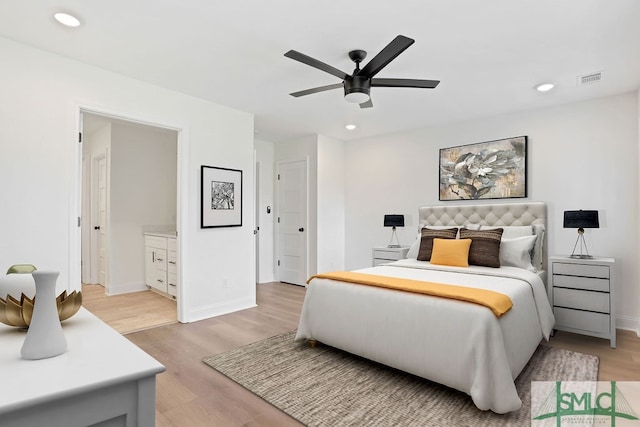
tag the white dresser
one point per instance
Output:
(384, 254)
(160, 262)
(102, 379)
(582, 294)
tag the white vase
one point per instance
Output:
(44, 337)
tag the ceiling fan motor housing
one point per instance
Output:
(357, 85)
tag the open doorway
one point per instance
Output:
(129, 192)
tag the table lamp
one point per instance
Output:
(581, 220)
(394, 221)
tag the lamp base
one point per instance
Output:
(394, 236)
(580, 256)
(582, 243)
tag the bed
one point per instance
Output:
(459, 344)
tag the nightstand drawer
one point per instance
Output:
(384, 255)
(583, 300)
(582, 320)
(587, 283)
(392, 255)
(583, 270)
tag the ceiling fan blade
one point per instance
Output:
(426, 84)
(305, 59)
(316, 90)
(386, 55)
(367, 104)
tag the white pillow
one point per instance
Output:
(511, 231)
(517, 252)
(415, 248)
(538, 231)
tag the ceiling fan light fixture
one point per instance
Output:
(357, 97)
(356, 89)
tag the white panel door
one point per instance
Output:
(101, 228)
(292, 222)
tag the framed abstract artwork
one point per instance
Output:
(485, 170)
(221, 197)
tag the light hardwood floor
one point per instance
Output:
(192, 394)
(132, 312)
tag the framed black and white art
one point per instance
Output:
(221, 197)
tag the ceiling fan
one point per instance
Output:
(357, 85)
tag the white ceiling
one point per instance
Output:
(488, 54)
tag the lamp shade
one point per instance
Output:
(581, 219)
(394, 220)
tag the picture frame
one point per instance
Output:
(220, 197)
(485, 170)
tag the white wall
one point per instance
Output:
(266, 197)
(331, 204)
(580, 156)
(143, 191)
(39, 108)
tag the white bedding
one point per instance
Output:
(458, 344)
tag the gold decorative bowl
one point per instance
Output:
(18, 313)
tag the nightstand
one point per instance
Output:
(384, 254)
(582, 294)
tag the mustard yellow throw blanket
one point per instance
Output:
(497, 302)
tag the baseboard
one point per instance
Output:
(628, 323)
(214, 310)
(126, 288)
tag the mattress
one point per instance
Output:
(459, 344)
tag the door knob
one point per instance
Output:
(301, 229)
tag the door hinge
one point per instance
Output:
(278, 263)
(278, 220)
(278, 177)
(79, 222)
(80, 137)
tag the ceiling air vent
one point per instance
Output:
(587, 79)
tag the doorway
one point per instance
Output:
(129, 188)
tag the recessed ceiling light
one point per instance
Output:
(66, 19)
(544, 87)
(350, 127)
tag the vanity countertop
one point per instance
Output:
(170, 234)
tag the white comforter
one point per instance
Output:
(458, 344)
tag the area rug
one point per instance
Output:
(323, 386)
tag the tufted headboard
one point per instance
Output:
(495, 214)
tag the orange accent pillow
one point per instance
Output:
(451, 252)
